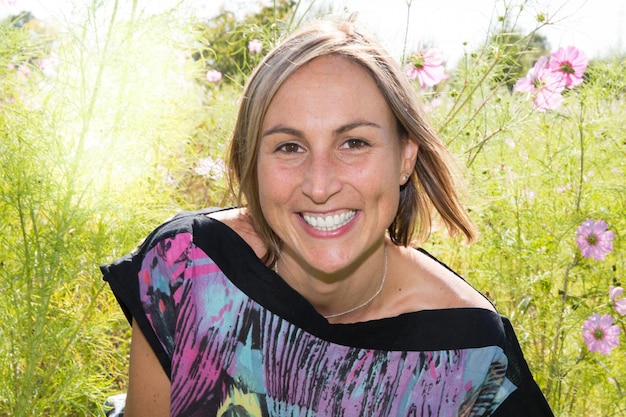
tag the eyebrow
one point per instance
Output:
(342, 129)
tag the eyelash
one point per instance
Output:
(352, 143)
(294, 147)
(360, 143)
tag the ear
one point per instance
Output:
(409, 156)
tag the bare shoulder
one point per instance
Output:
(240, 221)
(434, 286)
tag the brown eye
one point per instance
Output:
(355, 143)
(289, 148)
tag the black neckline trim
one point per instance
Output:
(453, 328)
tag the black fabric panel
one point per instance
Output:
(462, 327)
(427, 330)
(122, 276)
(527, 400)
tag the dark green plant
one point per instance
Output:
(223, 40)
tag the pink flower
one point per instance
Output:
(427, 67)
(570, 63)
(48, 66)
(213, 76)
(600, 334)
(593, 240)
(544, 85)
(255, 46)
(433, 104)
(210, 168)
(618, 304)
(23, 71)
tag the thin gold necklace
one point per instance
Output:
(369, 300)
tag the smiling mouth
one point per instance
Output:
(330, 222)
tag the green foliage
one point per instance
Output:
(126, 131)
(52, 361)
(533, 179)
(516, 52)
(520, 53)
(223, 40)
(81, 181)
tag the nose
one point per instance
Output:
(321, 179)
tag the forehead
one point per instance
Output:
(330, 83)
(331, 68)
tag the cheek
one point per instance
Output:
(384, 184)
(265, 186)
(275, 184)
(381, 176)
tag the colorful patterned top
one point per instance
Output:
(236, 340)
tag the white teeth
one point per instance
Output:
(328, 223)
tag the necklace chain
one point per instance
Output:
(369, 300)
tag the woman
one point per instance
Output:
(308, 300)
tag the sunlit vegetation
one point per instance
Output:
(109, 125)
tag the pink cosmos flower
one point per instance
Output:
(600, 334)
(255, 46)
(544, 85)
(570, 63)
(593, 240)
(433, 104)
(210, 168)
(48, 66)
(213, 76)
(618, 304)
(427, 67)
(23, 71)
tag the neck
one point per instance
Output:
(346, 304)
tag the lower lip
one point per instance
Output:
(330, 233)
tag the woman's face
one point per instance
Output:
(330, 165)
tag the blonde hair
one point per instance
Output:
(431, 184)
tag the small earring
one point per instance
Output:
(405, 177)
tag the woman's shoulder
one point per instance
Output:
(239, 220)
(210, 228)
(190, 224)
(434, 286)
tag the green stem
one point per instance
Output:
(21, 394)
(88, 117)
(457, 106)
(615, 379)
(406, 30)
(581, 137)
(559, 336)
(292, 20)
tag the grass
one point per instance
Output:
(97, 153)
